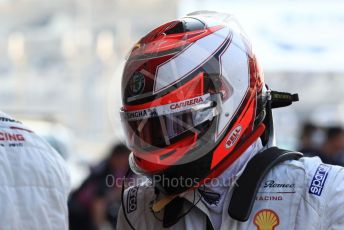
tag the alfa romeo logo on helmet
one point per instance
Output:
(137, 83)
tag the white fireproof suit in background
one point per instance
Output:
(34, 181)
(296, 194)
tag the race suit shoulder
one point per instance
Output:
(297, 194)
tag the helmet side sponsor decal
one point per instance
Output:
(141, 114)
(132, 199)
(319, 179)
(233, 137)
(266, 219)
(168, 108)
(244, 121)
(185, 104)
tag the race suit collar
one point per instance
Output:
(222, 186)
(219, 185)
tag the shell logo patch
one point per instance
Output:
(266, 219)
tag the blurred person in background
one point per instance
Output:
(333, 147)
(311, 139)
(96, 203)
(35, 182)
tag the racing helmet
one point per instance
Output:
(193, 100)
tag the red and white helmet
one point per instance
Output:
(193, 100)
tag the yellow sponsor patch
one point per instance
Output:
(266, 219)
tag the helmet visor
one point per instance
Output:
(161, 126)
